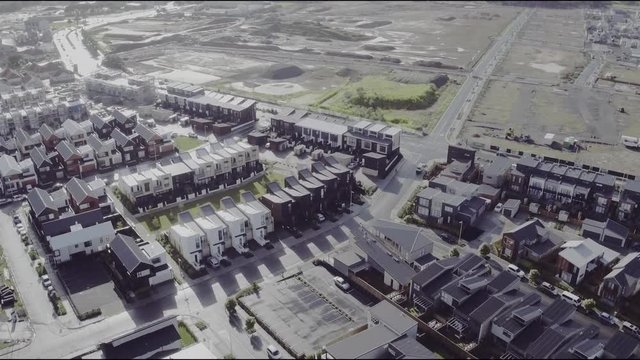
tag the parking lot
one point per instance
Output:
(90, 286)
(308, 314)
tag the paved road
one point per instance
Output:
(464, 100)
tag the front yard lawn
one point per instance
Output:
(185, 143)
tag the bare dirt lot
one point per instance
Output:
(548, 47)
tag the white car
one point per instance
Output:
(213, 262)
(320, 217)
(341, 283)
(498, 208)
(516, 271)
(273, 352)
(19, 227)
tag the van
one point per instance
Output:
(630, 328)
(516, 271)
(571, 298)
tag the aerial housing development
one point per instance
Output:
(317, 179)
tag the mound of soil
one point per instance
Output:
(346, 72)
(282, 71)
(390, 59)
(434, 64)
(349, 55)
(377, 47)
(374, 24)
(440, 80)
(446, 18)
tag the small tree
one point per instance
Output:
(534, 275)
(485, 250)
(229, 356)
(155, 222)
(454, 252)
(589, 304)
(230, 305)
(250, 325)
(255, 287)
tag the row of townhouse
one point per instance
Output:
(194, 101)
(378, 144)
(76, 150)
(324, 188)
(16, 177)
(138, 89)
(72, 221)
(22, 99)
(190, 174)
(216, 231)
(488, 308)
(52, 113)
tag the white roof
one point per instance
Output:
(226, 216)
(321, 125)
(205, 223)
(197, 351)
(581, 252)
(183, 231)
(81, 235)
(376, 127)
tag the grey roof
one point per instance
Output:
(392, 317)
(551, 339)
(529, 230)
(46, 131)
(146, 133)
(67, 150)
(609, 227)
(425, 259)
(498, 166)
(78, 190)
(95, 143)
(39, 200)
(470, 262)
(24, 139)
(605, 179)
(398, 270)
(177, 169)
(430, 273)
(429, 193)
(349, 258)
(129, 253)
(512, 204)
(39, 157)
(557, 311)
(361, 343)
(9, 166)
(410, 238)
(321, 172)
(488, 310)
(528, 161)
(410, 348)
(277, 194)
(485, 189)
(120, 138)
(334, 165)
(101, 119)
(308, 180)
(622, 346)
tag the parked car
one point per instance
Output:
(19, 197)
(273, 352)
(320, 217)
(22, 233)
(548, 288)
(341, 283)
(352, 165)
(630, 328)
(213, 262)
(16, 219)
(57, 186)
(498, 208)
(606, 318)
(516, 271)
(52, 294)
(46, 282)
(19, 227)
(420, 168)
(193, 135)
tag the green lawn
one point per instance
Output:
(185, 143)
(387, 88)
(59, 25)
(169, 217)
(186, 337)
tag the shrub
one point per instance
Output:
(250, 325)
(255, 287)
(155, 223)
(201, 325)
(40, 269)
(229, 356)
(33, 254)
(59, 307)
(485, 250)
(534, 275)
(90, 314)
(230, 305)
(454, 252)
(589, 304)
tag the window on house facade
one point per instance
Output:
(88, 243)
(382, 149)
(366, 145)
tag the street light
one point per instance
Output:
(460, 232)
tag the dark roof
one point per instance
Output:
(398, 270)
(357, 345)
(40, 201)
(502, 281)
(293, 183)
(409, 348)
(308, 180)
(500, 165)
(24, 139)
(557, 311)
(99, 120)
(279, 195)
(582, 346)
(39, 157)
(67, 150)
(320, 171)
(529, 230)
(333, 165)
(425, 259)
(605, 179)
(470, 262)
(62, 225)
(546, 344)
(621, 346)
(130, 255)
(78, 190)
(144, 344)
(488, 310)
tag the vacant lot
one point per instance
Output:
(185, 143)
(170, 216)
(548, 47)
(622, 73)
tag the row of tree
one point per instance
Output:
(378, 101)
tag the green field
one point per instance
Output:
(186, 337)
(185, 143)
(394, 94)
(169, 217)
